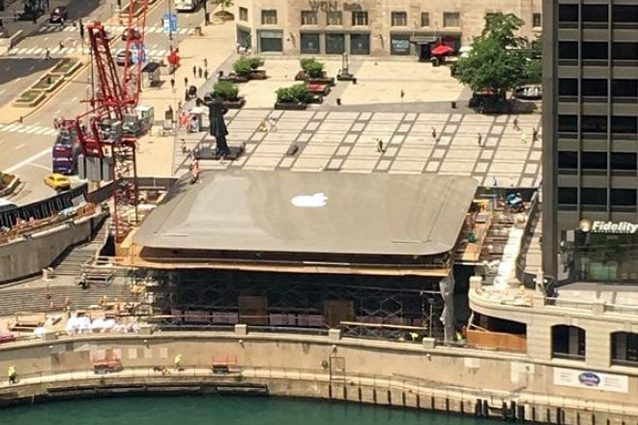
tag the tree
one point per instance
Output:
(498, 59)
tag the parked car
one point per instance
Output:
(58, 15)
(57, 181)
(132, 33)
(120, 58)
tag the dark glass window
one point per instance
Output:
(309, 43)
(624, 197)
(622, 13)
(335, 44)
(593, 196)
(594, 160)
(568, 50)
(567, 159)
(624, 348)
(568, 123)
(624, 88)
(594, 87)
(568, 342)
(595, 13)
(624, 125)
(568, 87)
(623, 161)
(628, 51)
(595, 50)
(593, 124)
(360, 44)
(568, 13)
(567, 195)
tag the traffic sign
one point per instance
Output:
(170, 23)
(139, 54)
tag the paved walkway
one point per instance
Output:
(348, 142)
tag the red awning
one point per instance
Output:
(441, 50)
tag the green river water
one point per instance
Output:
(205, 410)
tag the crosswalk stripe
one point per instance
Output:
(43, 29)
(38, 51)
(11, 127)
(42, 130)
(50, 132)
(1, 126)
(32, 130)
(183, 31)
(70, 29)
(23, 129)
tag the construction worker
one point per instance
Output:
(11, 373)
(178, 362)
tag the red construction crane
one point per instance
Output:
(111, 127)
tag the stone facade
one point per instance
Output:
(392, 27)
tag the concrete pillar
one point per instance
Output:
(241, 329)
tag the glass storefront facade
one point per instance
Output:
(309, 43)
(243, 38)
(335, 43)
(360, 44)
(270, 41)
(400, 44)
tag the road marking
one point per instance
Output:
(31, 50)
(11, 127)
(42, 131)
(23, 129)
(20, 146)
(33, 164)
(2, 91)
(28, 161)
(32, 130)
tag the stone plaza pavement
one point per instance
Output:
(348, 142)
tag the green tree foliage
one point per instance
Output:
(499, 58)
(226, 90)
(312, 67)
(294, 94)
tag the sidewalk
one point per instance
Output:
(156, 151)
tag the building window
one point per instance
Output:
(567, 196)
(593, 196)
(359, 19)
(451, 19)
(269, 17)
(400, 44)
(593, 160)
(568, 342)
(567, 50)
(360, 44)
(568, 87)
(399, 19)
(623, 197)
(568, 160)
(595, 50)
(536, 20)
(595, 13)
(624, 125)
(271, 41)
(567, 123)
(335, 17)
(624, 88)
(309, 43)
(624, 348)
(335, 44)
(596, 87)
(425, 19)
(243, 14)
(568, 13)
(624, 50)
(625, 14)
(308, 17)
(623, 161)
(593, 124)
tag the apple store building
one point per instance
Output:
(364, 252)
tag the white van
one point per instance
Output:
(6, 205)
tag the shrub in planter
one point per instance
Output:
(226, 90)
(294, 94)
(242, 66)
(312, 67)
(255, 62)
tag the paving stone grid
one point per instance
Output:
(348, 142)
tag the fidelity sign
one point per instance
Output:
(591, 380)
(622, 227)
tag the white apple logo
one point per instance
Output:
(310, 201)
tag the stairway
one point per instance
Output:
(72, 262)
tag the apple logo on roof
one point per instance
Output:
(315, 200)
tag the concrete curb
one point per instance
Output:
(12, 186)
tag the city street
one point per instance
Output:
(27, 145)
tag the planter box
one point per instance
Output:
(29, 102)
(56, 81)
(9, 184)
(318, 88)
(66, 66)
(346, 77)
(290, 106)
(235, 104)
(325, 80)
(316, 98)
(258, 74)
(301, 76)
(234, 78)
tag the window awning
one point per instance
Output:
(422, 39)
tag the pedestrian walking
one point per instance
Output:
(173, 84)
(205, 74)
(433, 133)
(205, 63)
(534, 134)
(200, 72)
(47, 54)
(402, 94)
(380, 147)
(11, 373)
(177, 362)
(515, 124)
(523, 139)
(194, 71)
(479, 139)
(186, 81)
(61, 45)
(184, 149)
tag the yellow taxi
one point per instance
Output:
(57, 181)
